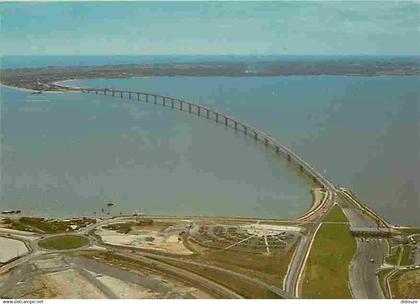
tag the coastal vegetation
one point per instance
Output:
(381, 278)
(406, 256)
(238, 285)
(43, 78)
(44, 225)
(330, 256)
(63, 242)
(270, 268)
(405, 284)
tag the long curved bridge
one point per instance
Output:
(220, 118)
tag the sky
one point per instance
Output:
(248, 28)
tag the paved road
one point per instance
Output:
(296, 264)
(109, 294)
(280, 292)
(293, 276)
(363, 279)
(178, 272)
(362, 273)
(124, 275)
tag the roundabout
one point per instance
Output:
(63, 242)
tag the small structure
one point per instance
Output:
(371, 231)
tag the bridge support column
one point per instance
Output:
(189, 108)
(226, 121)
(96, 92)
(265, 141)
(217, 117)
(138, 96)
(277, 150)
(180, 105)
(236, 125)
(113, 93)
(255, 135)
(207, 114)
(147, 98)
(164, 101)
(245, 130)
(155, 99)
(198, 110)
(105, 91)
(172, 103)
(129, 95)
(289, 158)
(301, 167)
(121, 94)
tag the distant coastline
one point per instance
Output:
(43, 78)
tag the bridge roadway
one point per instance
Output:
(218, 117)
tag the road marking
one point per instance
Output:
(266, 244)
(304, 261)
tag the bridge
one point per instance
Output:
(220, 118)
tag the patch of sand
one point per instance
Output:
(50, 263)
(69, 284)
(10, 248)
(145, 239)
(126, 290)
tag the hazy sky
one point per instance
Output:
(211, 28)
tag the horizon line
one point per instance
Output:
(204, 54)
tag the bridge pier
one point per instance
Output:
(189, 108)
(245, 130)
(198, 110)
(208, 114)
(289, 158)
(236, 125)
(147, 98)
(217, 117)
(277, 150)
(172, 103)
(265, 141)
(138, 96)
(113, 93)
(226, 121)
(121, 94)
(96, 92)
(155, 99)
(180, 105)
(129, 95)
(164, 101)
(255, 135)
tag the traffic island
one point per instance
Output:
(63, 242)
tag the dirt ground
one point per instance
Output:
(166, 240)
(10, 248)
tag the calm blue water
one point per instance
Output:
(68, 154)
(363, 131)
(61, 150)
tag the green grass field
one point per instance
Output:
(406, 258)
(326, 272)
(393, 259)
(405, 284)
(381, 277)
(63, 242)
(43, 225)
